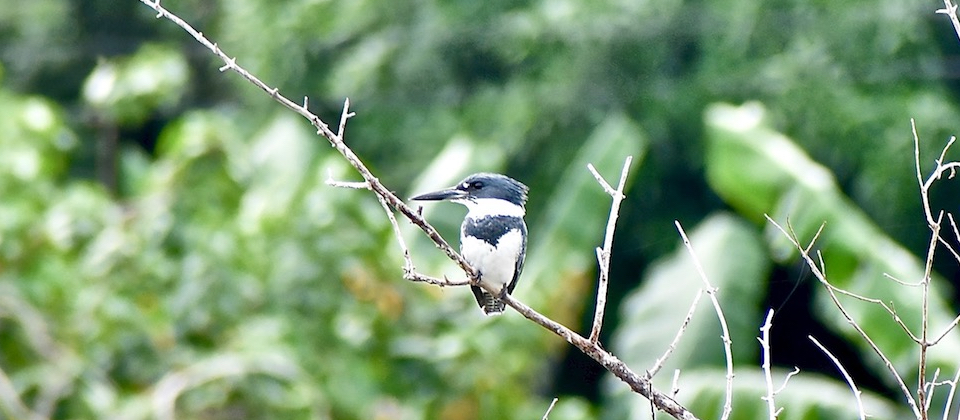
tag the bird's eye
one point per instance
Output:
(476, 185)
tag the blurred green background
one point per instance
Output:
(168, 247)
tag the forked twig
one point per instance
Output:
(819, 271)
(938, 172)
(772, 411)
(935, 225)
(607, 360)
(603, 254)
(727, 342)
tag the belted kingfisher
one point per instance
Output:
(493, 236)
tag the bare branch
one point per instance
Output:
(950, 327)
(937, 173)
(792, 373)
(901, 282)
(409, 270)
(603, 182)
(610, 362)
(727, 342)
(343, 117)
(764, 339)
(603, 255)
(361, 185)
(953, 391)
(832, 292)
(929, 388)
(953, 225)
(550, 408)
(676, 339)
(772, 411)
(591, 349)
(792, 235)
(325, 131)
(843, 371)
(950, 10)
(924, 399)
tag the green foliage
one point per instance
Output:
(131, 89)
(758, 170)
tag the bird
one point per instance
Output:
(493, 235)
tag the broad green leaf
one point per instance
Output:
(759, 171)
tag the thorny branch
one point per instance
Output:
(588, 347)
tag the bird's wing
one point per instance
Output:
(519, 267)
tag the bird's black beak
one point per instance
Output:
(447, 194)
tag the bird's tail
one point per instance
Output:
(490, 304)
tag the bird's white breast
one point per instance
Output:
(496, 264)
(481, 207)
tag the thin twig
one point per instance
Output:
(834, 289)
(938, 171)
(879, 302)
(934, 225)
(950, 10)
(786, 379)
(950, 395)
(922, 396)
(675, 383)
(772, 411)
(356, 185)
(603, 255)
(727, 342)
(764, 339)
(930, 387)
(343, 117)
(843, 371)
(819, 272)
(550, 408)
(676, 339)
(901, 282)
(953, 225)
(949, 327)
